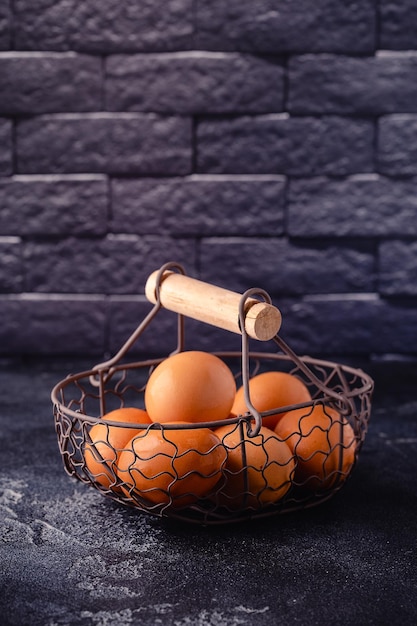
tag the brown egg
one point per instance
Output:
(258, 469)
(191, 386)
(271, 390)
(174, 466)
(107, 441)
(323, 443)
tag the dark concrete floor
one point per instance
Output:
(70, 556)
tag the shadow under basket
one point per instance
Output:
(244, 470)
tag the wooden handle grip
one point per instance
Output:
(213, 305)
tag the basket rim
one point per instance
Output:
(366, 379)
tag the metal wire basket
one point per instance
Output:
(240, 474)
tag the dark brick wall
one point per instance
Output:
(266, 144)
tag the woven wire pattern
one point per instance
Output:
(82, 399)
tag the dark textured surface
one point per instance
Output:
(69, 556)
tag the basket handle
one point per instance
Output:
(212, 304)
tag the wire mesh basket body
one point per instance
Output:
(214, 472)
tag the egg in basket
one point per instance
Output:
(213, 437)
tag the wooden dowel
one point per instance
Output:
(213, 305)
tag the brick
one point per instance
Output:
(398, 24)
(42, 26)
(194, 82)
(103, 26)
(268, 26)
(5, 147)
(395, 327)
(327, 326)
(201, 336)
(53, 205)
(199, 205)
(113, 143)
(281, 267)
(281, 144)
(49, 82)
(325, 83)
(113, 265)
(52, 325)
(331, 325)
(352, 324)
(5, 25)
(398, 268)
(160, 337)
(11, 268)
(397, 145)
(126, 313)
(357, 206)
